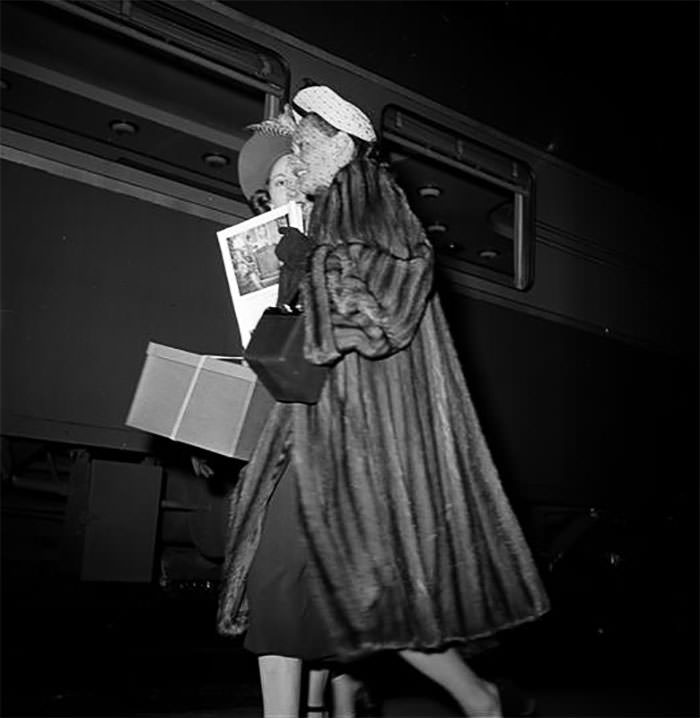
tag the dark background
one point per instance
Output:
(611, 87)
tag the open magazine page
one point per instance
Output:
(252, 268)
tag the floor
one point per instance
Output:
(106, 651)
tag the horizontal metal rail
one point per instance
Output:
(455, 164)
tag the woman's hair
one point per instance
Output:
(259, 201)
(365, 205)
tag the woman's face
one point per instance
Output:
(319, 156)
(283, 184)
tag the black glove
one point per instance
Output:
(293, 248)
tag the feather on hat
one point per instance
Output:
(272, 139)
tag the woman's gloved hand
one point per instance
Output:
(293, 248)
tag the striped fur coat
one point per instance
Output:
(411, 539)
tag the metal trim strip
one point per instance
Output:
(79, 166)
(120, 102)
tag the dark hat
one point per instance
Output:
(256, 158)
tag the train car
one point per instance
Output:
(121, 126)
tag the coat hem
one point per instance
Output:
(367, 648)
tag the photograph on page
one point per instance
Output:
(252, 267)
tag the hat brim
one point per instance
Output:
(256, 158)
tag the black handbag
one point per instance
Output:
(275, 353)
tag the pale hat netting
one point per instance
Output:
(340, 113)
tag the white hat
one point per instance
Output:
(338, 112)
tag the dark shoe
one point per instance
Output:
(365, 705)
(514, 702)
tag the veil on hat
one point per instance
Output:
(335, 110)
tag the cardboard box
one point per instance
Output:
(211, 402)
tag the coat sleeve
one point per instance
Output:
(363, 299)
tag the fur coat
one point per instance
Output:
(411, 540)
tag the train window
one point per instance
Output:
(477, 204)
(168, 95)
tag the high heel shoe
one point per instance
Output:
(514, 703)
(365, 705)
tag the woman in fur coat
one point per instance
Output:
(399, 524)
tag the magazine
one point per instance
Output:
(252, 268)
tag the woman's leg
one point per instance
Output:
(344, 694)
(318, 677)
(280, 678)
(476, 696)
